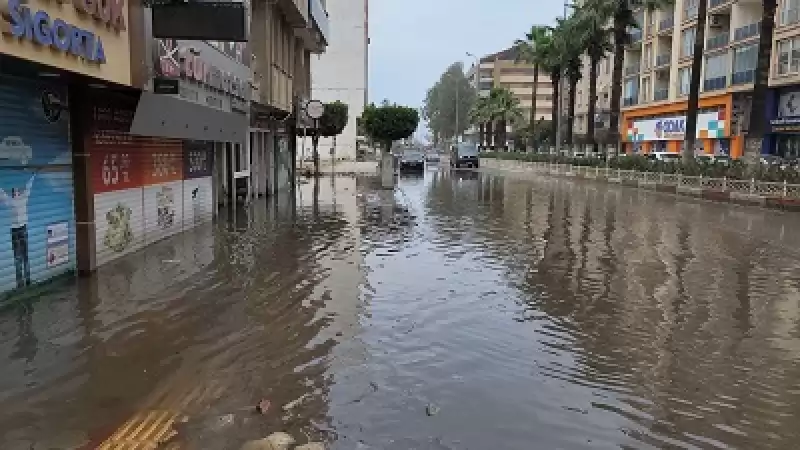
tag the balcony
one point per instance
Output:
(319, 18)
(747, 31)
(660, 94)
(663, 60)
(666, 24)
(631, 70)
(718, 41)
(717, 3)
(715, 84)
(743, 77)
(295, 12)
(636, 36)
(628, 101)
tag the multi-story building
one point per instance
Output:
(502, 69)
(341, 73)
(783, 102)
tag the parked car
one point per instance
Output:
(412, 161)
(713, 159)
(464, 155)
(665, 157)
(13, 148)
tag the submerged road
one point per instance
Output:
(464, 311)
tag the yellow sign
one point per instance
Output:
(84, 36)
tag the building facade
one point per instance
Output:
(124, 137)
(502, 70)
(341, 73)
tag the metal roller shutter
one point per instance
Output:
(37, 225)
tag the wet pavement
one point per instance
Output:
(463, 311)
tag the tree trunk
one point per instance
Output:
(694, 86)
(533, 106)
(315, 145)
(489, 135)
(573, 84)
(592, 112)
(556, 82)
(758, 116)
(501, 134)
(620, 40)
(481, 135)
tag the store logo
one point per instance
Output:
(51, 106)
(659, 129)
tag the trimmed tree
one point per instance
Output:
(331, 124)
(388, 123)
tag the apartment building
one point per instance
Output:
(501, 69)
(341, 73)
(657, 75)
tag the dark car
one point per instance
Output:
(464, 155)
(412, 161)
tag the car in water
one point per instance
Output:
(464, 154)
(412, 161)
(13, 148)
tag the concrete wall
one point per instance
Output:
(341, 72)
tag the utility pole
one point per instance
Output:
(477, 74)
(455, 136)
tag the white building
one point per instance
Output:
(342, 73)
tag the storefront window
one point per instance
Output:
(788, 146)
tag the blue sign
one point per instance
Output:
(674, 125)
(41, 29)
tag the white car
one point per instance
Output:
(12, 147)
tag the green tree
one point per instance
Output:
(389, 122)
(503, 107)
(594, 36)
(620, 13)
(533, 50)
(759, 120)
(570, 43)
(448, 102)
(481, 115)
(694, 84)
(331, 124)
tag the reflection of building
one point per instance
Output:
(341, 73)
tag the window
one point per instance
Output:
(648, 56)
(745, 58)
(717, 66)
(517, 71)
(631, 88)
(689, 9)
(788, 56)
(684, 80)
(790, 12)
(645, 90)
(687, 42)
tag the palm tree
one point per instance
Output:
(480, 115)
(758, 120)
(596, 40)
(530, 50)
(694, 85)
(573, 69)
(503, 106)
(620, 14)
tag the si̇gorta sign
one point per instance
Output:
(39, 27)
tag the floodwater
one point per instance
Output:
(463, 311)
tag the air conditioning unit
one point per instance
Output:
(716, 21)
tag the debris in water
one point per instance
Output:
(275, 441)
(431, 409)
(263, 406)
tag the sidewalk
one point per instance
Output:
(342, 167)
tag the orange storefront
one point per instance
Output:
(660, 128)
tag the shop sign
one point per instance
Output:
(175, 60)
(40, 28)
(710, 125)
(671, 129)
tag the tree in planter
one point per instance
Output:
(694, 83)
(480, 115)
(596, 41)
(503, 106)
(758, 118)
(533, 50)
(331, 124)
(570, 44)
(388, 123)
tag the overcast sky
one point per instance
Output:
(413, 41)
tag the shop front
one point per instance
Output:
(662, 128)
(783, 109)
(47, 49)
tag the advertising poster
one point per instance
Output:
(36, 187)
(162, 177)
(198, 200)
(710, 125)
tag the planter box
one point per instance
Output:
(716, 195)
(667, 188)
(747, 199)
(690, 191)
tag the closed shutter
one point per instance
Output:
(37, 225)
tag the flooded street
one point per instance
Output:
(465, 311)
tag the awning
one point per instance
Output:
(169, 116)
